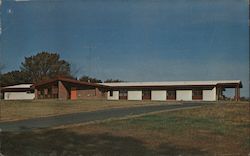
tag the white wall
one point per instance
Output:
(114, 97)
(209, 95)
(134, 95)
(159, 95)
(185, 95)
(18, 96)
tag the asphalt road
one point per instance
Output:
(84, 117)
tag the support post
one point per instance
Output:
(36, 94)
(217, 93)
(237, 93)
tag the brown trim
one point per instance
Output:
(16, 89)
(123, 97)
(230, 85)
(197, 97)
(171, 97)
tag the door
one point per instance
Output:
(73, 94)
(146, 94)
(123, 94)
(171, 95)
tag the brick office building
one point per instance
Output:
(64, 88)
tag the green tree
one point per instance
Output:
(90, 79)
(113, 80)
(14, 77)
(45, 65)
(1, 68)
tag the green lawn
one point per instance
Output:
(219, 129)
(24, 109)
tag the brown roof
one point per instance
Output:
(67, 80)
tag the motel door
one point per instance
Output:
(73, 94)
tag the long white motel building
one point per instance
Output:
(63, 88)
(173, 90)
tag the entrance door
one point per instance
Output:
(73, 94)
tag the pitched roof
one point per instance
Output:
(18, 86)
(67, 80)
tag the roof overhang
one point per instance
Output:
(67, 80)
(176, 84)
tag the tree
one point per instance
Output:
(1, 68)
(14, 77)
(90, 79)
(113, 80)
(45, 65)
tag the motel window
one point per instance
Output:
(171, 93)
(197, 92)
(146, 93)
(111, 93)
(123, 93)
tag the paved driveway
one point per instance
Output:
(84, 117)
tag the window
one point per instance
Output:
(171, 93)
(197, 92)
(111, 93)
(146, 93)
(123, 93)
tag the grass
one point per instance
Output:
(18, 110)
(220, 129)
(217, 129)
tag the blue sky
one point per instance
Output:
(142, 40)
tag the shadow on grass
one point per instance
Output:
(66, 143)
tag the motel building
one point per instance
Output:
(63, 88)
